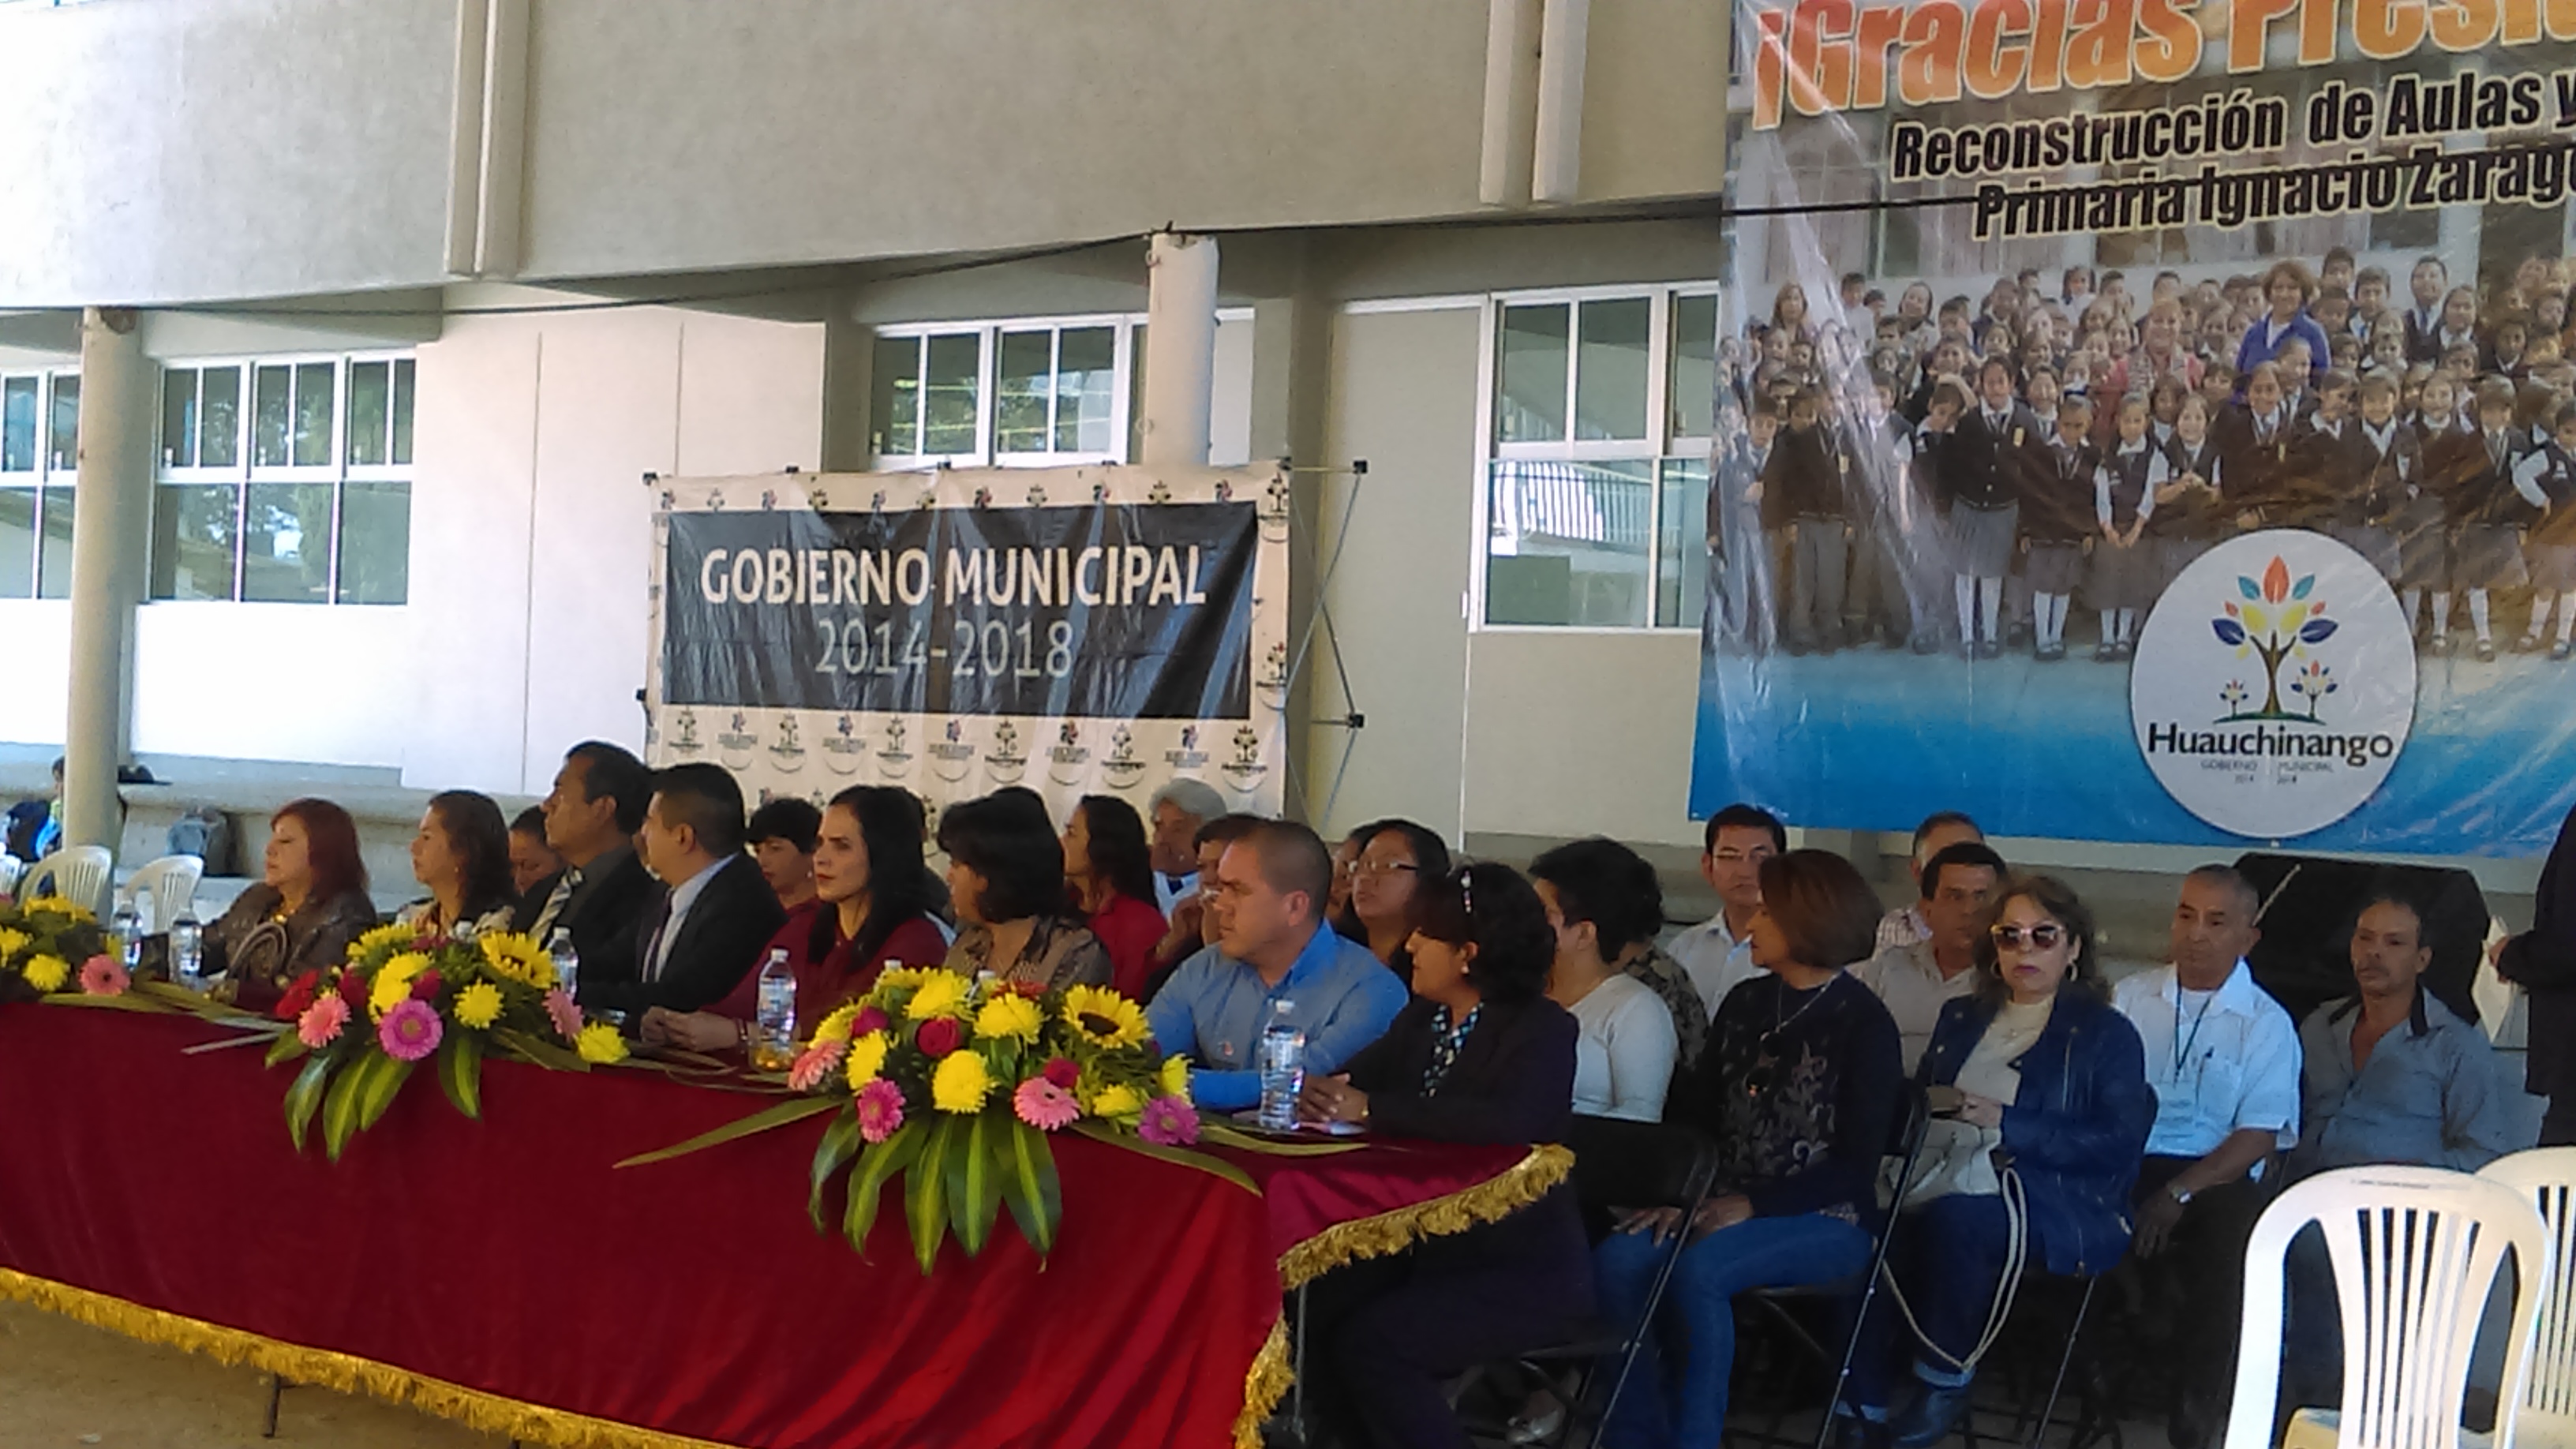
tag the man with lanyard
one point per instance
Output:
(2223, 1058)
(1272, 945)
(1717, 954)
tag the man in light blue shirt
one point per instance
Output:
(1272, 945)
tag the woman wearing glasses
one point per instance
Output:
(2051, 1081)
(1395, 857)
(1479, 1055)
(1799, 1088)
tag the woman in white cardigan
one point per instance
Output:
(1604, 903)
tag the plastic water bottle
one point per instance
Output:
(188, 950)
(773, 1037)
(567, 960)
(127, 928)
(1283, 1067)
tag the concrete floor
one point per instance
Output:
(64, 1386)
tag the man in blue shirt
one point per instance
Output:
(1272, 944)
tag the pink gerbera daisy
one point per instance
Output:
(1169, 1122)
(880, 1110)
(410, 1031)
(320, 1024)
(103, 976)
(1044, 1105)
(814, 1064)
(563, 1013)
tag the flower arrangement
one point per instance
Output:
(48, 945)
(402, 998)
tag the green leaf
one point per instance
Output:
(974, 1183)
(1223, 1136)
(1029, 1185)
(542, 1053)
(840, 1143)
(460, 1072)
(305, 1097)
(877, 1162)
(380, 1091)
(1213, 1166)
(925, 1192)
(286, 1048)
(125, 1002)
(795, 1109)
(340, 1104)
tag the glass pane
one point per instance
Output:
(404, 388)
(1136, 395)
(375, 543)
(1610, 371)
(1532, 406)
(179, 417)
(1086, 379)
(371, 386)
(63, 446)
(1024, 377)
(895, 414)
(1567, 543)
(192, 540)
(1681, 545)
(948, 393)
(269, 416)
(1694, 382)
(17, 543)
(313, 383)
(286, 543)
(18, 425)
(54, 576)
(219, 421)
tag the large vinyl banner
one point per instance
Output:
(2149, 420)
(1077, 631)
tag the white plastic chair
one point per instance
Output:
(170, 883)
(11, 867)
(2546, 1177)
(79, 873)
(2416, 1251)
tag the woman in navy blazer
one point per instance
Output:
(2039, 1053)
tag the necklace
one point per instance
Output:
(1781, 1023)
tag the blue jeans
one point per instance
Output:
(1690, 1409)
(1948, 1256)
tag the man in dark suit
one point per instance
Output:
(703, 936)
(602, 892)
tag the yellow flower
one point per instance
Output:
(48, 973)
(962, 1082)
(866, 1059)
(12, 942)
(1117, 1101)
(1009, 1015)
(600, 1044)
(60, 906)
(942, 993)
(836, 1027)
(1103, 1017)
(904, 976)
(390, 935)
(478, 1005)
(1176, 1077)
(518, 957)
(389, 991)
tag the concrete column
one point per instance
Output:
(849, 358)
(111, 534)
(1180, 348)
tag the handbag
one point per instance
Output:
(1958, 1159)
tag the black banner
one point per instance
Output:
(1107, 611)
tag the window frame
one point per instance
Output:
(1660, 445)
(50, 475)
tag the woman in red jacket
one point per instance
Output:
(1111, 882)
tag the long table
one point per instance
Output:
(505, 1273)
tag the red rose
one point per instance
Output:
(939, 1036)
(1063, 1073)
(424, 987)
(297, 998)
(353, 990)
(869, 1019)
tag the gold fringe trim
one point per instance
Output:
(1264, 1385)
(488, 1413)
(1392, 1232)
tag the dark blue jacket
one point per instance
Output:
(2076, 1128)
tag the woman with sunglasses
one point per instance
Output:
(1479, 1055)
(1799, 1088)
(2039, 1059)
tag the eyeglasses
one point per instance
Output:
(1375, 868)
(2040, 937)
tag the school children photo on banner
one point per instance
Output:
(1092, 630)
(2147, 422)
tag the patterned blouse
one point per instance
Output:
(1059, 954)
(1673, 984)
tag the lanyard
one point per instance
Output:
(2182, 1045)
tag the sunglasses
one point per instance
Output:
(2039, 937)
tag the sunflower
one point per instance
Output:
(398, 933)
(1103, 1017)
(518, 958)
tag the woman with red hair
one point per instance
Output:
(311, 901)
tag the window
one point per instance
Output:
(1011, 393)
(39, 457)
(1596, 480)
(284, 481)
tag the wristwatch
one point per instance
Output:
(2179, 1193)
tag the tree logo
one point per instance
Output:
(2276, 620)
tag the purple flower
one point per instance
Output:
(410, 1031)
(1169, 1122)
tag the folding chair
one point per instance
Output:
(2547, 1175)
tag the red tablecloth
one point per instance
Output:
(504, 1272)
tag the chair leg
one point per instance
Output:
(268, 1421)
(2057, 1385)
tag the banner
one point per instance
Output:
(2148, 420)
(1078, 631)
